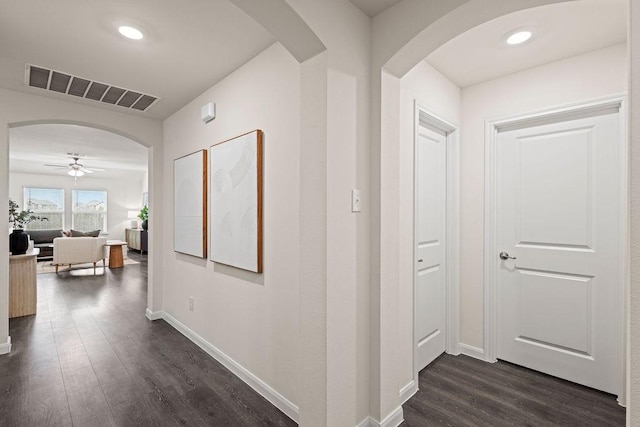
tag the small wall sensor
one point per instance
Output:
(208, 112)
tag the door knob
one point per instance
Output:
(504, 255)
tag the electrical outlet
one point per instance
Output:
(191, 303)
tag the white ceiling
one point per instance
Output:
(189, 45)
(560, 31)
(31, 147)
(373, 7)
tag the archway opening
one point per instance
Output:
(434, 82)
(77, 180)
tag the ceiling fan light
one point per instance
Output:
(76, 173)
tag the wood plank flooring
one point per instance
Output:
(462, 391)
(91, 358)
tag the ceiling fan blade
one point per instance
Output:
(58, 166)
(92, 170)
(85, 170)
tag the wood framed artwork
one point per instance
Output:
(190, 204)
(236, 202)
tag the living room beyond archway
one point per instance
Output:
(81, 181)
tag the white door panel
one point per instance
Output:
(430, 251)
(564, 319)
(558, 214)
(555, 188)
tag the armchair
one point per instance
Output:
(78, 250)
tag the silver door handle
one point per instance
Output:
(504, 255)
(420, 260)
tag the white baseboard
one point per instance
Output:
(278, 400)
(455, 350)
(367, 422)
(394, 419)
(154, 315)
(407, 391)
(471, 351)
(5, 347)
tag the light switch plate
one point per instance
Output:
(355, 201)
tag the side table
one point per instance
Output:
(115, 253)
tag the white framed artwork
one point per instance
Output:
(236, 202)
(190, 204)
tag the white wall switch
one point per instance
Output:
(191, 303)
(355, 201)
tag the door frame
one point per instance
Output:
(424, 116)
(564, 112)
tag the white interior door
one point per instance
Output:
(559, 300)
(431, 199)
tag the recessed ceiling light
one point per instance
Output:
(130, 32)
(518, 37)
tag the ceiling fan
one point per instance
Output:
(76, 169)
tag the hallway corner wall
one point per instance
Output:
(251, 318)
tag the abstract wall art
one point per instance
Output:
(236, 202)
(190, 204)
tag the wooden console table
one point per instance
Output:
(23, 284)
(136, 239)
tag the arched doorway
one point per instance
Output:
(19, 110)
(390, 65)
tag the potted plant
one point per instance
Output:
(19, 240)
(144, 217)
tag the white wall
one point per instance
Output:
(592, 75)
(346, 32)
(252, 318)
(441, 97)
(333, 284)
(123, 194)
(145, 182)
(633, 366)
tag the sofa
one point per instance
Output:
(79, 250)
(43, 239)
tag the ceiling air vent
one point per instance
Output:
(60, 82)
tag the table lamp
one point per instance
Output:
(133, 216)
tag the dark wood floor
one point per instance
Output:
(91, 358)
(462, 391)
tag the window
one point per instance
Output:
(47, 203)
(89, 209)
